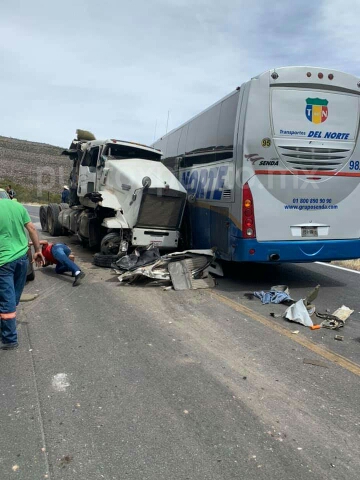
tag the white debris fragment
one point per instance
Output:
(343, 313)
(298, 313)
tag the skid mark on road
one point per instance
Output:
(327, 354)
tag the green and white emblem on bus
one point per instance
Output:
(316, 110)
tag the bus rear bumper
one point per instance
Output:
(250, 250)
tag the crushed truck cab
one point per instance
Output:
(121, 195)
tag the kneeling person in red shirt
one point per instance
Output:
(60, 255)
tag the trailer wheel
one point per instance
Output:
(54, 227)
(43, 218)
(110, 244)
(63, 206)
(101, 260)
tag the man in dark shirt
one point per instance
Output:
(65, 195)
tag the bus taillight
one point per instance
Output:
(248, 217)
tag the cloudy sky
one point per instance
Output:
(117, 67)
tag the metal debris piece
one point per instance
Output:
(275, 315)
(186, 270)
(299, 314)
(330, 321)
(339, 337)
(215, 269)
(183, 274)
(343, 313)
(312, 295)
(311, 309)
(317, 363)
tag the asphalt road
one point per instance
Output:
(133, 382)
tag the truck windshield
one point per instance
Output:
(121, 152)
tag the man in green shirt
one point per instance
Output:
(13, 265)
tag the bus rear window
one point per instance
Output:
(314, 114)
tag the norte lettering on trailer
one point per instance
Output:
(206, 183)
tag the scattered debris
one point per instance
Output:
(315, 327)
(339, 337)
(183, 273)
(15, 468)
(343, 313)
(317, 363)
(299, 314)
(277, 294)
(216, 269)
(308, 300)
(330, 321)
(311, 309)
(337, 319)
(184, 270)
(295, 332)
(275, 315)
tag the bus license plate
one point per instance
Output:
(309, 232)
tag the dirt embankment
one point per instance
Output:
(34, 166)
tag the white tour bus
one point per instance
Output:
(272, 170)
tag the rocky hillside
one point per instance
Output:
(36, 166)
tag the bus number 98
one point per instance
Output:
(354, 165)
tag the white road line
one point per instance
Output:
(339, 268)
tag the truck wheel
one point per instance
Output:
(43, 218)
(55, 229)
(110, 244)
(63, 206)
(106, 261)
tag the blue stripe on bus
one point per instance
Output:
(296, 251)
(227, 237)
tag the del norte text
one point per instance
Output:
(332, 135)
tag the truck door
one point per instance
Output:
(87, 171)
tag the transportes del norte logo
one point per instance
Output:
(316, 110)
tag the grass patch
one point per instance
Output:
(29, 194)
(352, 264)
